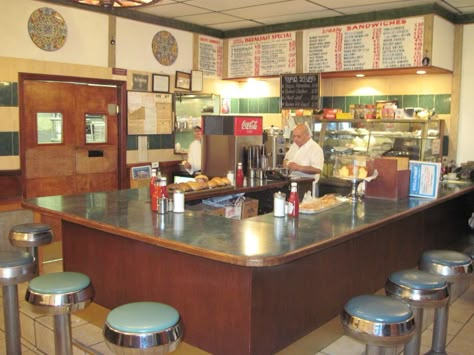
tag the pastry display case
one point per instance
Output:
(415, 139)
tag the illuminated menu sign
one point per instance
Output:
(381, 44)
(262, 55)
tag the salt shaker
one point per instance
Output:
(178, 198)
(279, 202)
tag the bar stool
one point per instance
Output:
(420, 290)
(15, 267)
(456, 267)
(60, 294)
(31, 236)
(143, 328)
(382, 323)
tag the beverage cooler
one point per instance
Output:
(225, 142)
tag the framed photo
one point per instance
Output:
(196, 80)
(160, 83)
(183, 80)
(140, 82)
(141, 172)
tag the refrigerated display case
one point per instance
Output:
(416, 139)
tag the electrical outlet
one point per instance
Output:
(154, 164)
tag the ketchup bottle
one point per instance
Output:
(160, 191)
(239, 178)
(293, 201)
(152, 183)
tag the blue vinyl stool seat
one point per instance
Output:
(143, 327)
(31, 236)
(382, 323)
(456, 267)
(15, 267)
(60, 294)
(420, 290)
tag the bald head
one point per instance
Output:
(301, 134)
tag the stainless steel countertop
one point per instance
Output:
(257, 241)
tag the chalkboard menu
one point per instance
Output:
(299, 91)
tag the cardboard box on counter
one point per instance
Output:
(392, 181)
(248, 208)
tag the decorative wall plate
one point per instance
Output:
(165, 48)
(47, 29)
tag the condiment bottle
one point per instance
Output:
(293, 201)
(178, 201)
(152, 183)
(279, 201)
(239, 179)
(160, 191)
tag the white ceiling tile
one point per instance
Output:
(296, 17)
(220, 5)
(276, 9)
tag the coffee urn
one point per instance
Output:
(274, 142)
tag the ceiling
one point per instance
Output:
(232, 18)
(225, 15)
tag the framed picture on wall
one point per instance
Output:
(196, 80)
(161, 83)
(140, 82)
(183, 80)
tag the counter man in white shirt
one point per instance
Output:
(193, 164)
(305, 158)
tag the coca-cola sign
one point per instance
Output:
(248, 126)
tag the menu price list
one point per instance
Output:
(374, 45)
(299, 91)
(262, 55)
(211, 54)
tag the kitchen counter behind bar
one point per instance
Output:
(249, 286)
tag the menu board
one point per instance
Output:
(395, 43)
(210, 56)
(262, 55)
(299, 91)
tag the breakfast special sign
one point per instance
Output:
(395, 43)
(262, 55)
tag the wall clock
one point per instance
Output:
(47, 29)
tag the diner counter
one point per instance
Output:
(250, 286)
(257, 241)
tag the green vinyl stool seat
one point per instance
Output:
(420, 290)
(456, 268)
(143, 328)
(382, 323)
(15, 267)
(60, 294)
(31, 236)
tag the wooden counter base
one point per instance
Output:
(231, 309)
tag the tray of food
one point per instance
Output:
(320, 204)
(200, 183)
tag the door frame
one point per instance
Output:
(121, 117)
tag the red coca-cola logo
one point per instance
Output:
(248, 126)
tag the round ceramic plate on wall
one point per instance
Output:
(47, 29)
(165, 48)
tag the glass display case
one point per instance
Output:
(416, 139)
(189, 109)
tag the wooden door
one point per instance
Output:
(68, 161)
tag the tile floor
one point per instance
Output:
(37, 333)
